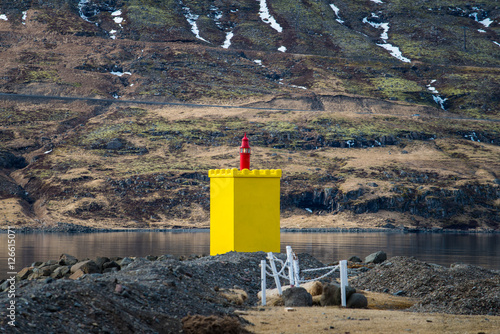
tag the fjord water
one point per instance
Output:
(440, 248)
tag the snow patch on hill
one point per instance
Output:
(192, 18)
(374, 21)
(337, 10)
(266, 17)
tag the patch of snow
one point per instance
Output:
(118, 19)
(259, 62)
(116, 96)
(336, 10)
(432, 89)
(47, 152)
(439, 100)
(376, 1)
(266, 17)
(191, 18)
(496, 43)
(4, 17)
(395, 52)
(120, 73)
(112, 34)
(227, 42)
(282, 48)
(474, 16)
(384, 26)
(309, 210)
(481, 30)
(25, 14)
(117, 13)
(486, 22)
(301, 87)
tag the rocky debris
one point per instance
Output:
(148, 294)
(9, 188)
(297, 296)
(9, 160)
(460, 289)
(376, 258)
(152, 295)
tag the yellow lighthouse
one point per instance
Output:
(244, 208)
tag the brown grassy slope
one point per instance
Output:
(141, 166)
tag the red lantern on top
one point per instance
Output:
(244, 154)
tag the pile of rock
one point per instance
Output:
(70, 267)
(327, 294)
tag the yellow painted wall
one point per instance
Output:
(244, 210)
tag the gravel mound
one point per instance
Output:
(460, 289)
(144, 297)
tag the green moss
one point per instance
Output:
(42, 76)
(150, 13)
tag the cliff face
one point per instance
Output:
(367, 107)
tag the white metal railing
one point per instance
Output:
(292, 266)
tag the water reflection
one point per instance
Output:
(444, 249)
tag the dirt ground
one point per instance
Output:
(339, 320)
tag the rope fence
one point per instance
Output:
(291, 265)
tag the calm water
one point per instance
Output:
(477, 249)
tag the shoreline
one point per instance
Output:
(80, 229)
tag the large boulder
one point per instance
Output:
(297, 296)
(377, 257)
(67, 260)
(315, 288)
(87, 267)
(355, 259)
(332, 294)
(357, 300)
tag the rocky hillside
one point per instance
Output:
(379, 113)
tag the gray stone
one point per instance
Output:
(332, 295)
(357, 300)
(24, 273)
(100, 261)
(355, 259)
(60, 272)
(125, 262)
(4, 286)
(114, 144)
(110, 270)
(372, 184)
(297, 296)
(110, 264)
(67, 260)
(87, 267)
(377, 257)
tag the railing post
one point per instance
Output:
(343, 281)
(289, 261)
(296, 271)
(263, 280)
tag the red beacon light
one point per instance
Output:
(244, 154)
